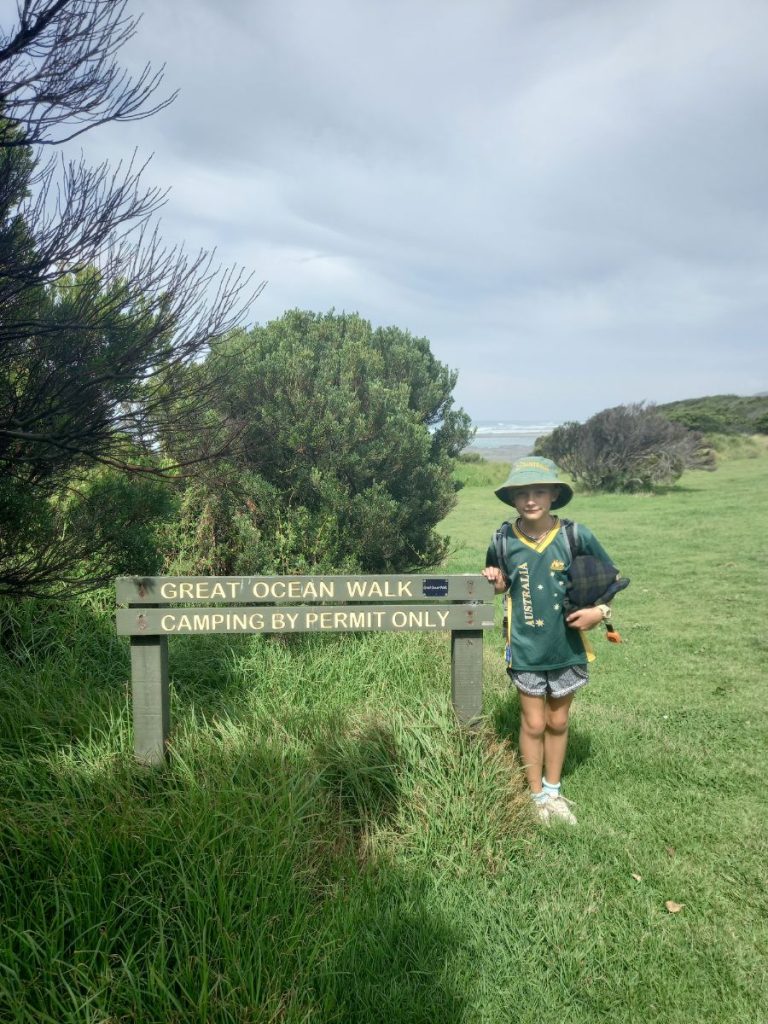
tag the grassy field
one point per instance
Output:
(325, 846)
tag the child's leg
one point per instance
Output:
(555, 738)
(532, 732)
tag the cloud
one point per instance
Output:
(567, 199)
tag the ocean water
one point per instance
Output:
(493, 436)
(498, 433)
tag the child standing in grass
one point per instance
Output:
(548, 652)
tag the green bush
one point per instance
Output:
(720, 414)
(348, 441)
(627, 448)
(104, 524)
(118, 519)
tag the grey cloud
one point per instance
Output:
(519, 181)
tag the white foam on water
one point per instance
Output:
(501, 433)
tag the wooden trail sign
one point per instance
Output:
(163, 606)
(161, 590)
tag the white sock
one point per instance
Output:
(539, 798)
(551, 788)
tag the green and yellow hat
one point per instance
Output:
(531, 470)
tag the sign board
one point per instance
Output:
(159, 590)
(163, 606)
(306, 619)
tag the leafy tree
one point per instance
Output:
(98, 321)
(626, 448)
(346, 452)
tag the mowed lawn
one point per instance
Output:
(327, 846)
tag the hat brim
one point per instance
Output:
(505, 492)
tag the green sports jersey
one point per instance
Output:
(541, 641)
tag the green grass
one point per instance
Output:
(738, 446)
(326, 846)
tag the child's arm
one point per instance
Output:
(585, 618)
(497, 578)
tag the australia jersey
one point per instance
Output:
(537, 571)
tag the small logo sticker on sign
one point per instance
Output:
(435, 588)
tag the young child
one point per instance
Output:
(549, 657)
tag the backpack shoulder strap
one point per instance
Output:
(500, 542)
(571, 531)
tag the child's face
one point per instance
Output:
(534, 502)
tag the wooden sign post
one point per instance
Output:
(161, 606)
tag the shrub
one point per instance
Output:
(720, 414)
(348, 440)
(108, 524)
(626, 448)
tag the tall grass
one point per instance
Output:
(326, 845)
(279, 868)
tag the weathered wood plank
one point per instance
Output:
(302, 619)
(151, 701)
(164, 590)
(467, 676)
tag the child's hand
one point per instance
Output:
(497, 578)
(585, 618)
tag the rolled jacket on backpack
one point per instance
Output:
(591, 581)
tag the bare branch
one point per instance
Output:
(58, 76)
(102, 326)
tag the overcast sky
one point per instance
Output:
(567, 198)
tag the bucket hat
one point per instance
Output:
(531, 470)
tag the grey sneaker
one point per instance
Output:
(557, 807)
(541, 810)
